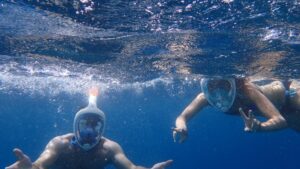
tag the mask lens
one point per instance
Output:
(220, 93)
(90, 129)
(218, 85)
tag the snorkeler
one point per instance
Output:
(85, 148)
(276, 101)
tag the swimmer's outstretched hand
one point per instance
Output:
(183, 133)
(162, 165)
(23, 162)
(251, 123)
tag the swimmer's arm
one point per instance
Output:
(275, 120)
(119, 159)
(191, 110)
(49, 155)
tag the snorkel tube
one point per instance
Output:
(83, 131)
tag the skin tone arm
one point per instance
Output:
(46, 158)
(120, 161)
(275, 120)
(191, 110)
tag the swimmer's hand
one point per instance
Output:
(251, 123)
(162, 165)
(23, 162)
(182, 131)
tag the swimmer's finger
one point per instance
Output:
(175, 132)
(251, 116)
(166, 163)
(243, 114)
(18, 153)
(174, 136)
(162, 165)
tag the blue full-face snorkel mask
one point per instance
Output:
(219, 93)
(89, 124)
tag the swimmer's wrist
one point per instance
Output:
(256, 125)
(35, 166)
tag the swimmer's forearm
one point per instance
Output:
(38, 164)
(140, 167)
(34, 166)
(193, 108)
(273, 124)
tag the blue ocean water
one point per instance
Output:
(147, 58)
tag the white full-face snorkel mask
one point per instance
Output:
(219, 92)
(89, 124)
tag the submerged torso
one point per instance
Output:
(75, 158)
(276, 93)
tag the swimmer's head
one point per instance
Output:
(89, 125)
(219, 92)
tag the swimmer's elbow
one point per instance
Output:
(280, 121)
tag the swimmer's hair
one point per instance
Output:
(241, 80)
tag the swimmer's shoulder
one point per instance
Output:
(111, 146)
(61, 142)
(63, 138)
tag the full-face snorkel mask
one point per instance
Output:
(219, 92)
(89, 124)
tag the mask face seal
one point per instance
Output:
(219, 93)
